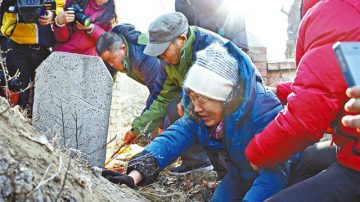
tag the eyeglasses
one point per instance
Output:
(198, 99)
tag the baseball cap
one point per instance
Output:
(163, 30)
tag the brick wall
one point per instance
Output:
(272, 72)
(259, 56)
(280, 71)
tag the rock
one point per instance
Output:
(3, 166)
(5, 186)
(73, 92)
(23, 180)
(83, 181)
(35, 166)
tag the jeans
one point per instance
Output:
(337, 183)
(230, 188)
(233, 188)
(220, 161)
(313, 160)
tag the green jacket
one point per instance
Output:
(168, 86)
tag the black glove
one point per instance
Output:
(118, 178)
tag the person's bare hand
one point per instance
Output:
(129, 138)
(353, 105)
(65, 17)
(254, 167)
(180, 109)
(46, 19)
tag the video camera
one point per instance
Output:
(29, 11)
(79, 14)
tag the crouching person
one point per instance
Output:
(226, 104)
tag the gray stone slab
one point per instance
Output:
(72, 103)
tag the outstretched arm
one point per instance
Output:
(316, 98)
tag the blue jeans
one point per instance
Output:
(334, 184)
(313, 160)
(232, 188)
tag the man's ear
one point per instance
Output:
(123, 47)
(183, 37)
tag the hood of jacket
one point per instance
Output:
(306, 5)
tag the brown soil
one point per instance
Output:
(30, 171)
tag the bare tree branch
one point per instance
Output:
(63, 124)
(65, 178)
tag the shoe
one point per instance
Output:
(183, 170)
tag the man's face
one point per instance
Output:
(115, 58)
(172, 53)
(209, 110)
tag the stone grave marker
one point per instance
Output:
(72, 103)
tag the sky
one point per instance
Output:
(264, 19)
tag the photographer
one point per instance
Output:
(81, 23)
(29, 44)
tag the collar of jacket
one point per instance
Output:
(95, 6)
(241, 99)
(235, 98)
(126, 60)
(186, 59)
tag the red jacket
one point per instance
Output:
(70, 39)
(317, 95)
(306, 5)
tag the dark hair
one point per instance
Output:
(107, 16)
(108, 41)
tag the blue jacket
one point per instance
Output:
(249, 108)
(138, 66)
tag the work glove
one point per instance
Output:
(118, 178)
(129, 138)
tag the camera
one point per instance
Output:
(348, 56)
(29, 11)
(14, 84)
(79, 14)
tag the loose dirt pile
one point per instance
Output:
(30, 171)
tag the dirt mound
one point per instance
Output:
(31, 170)
(195, 186)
